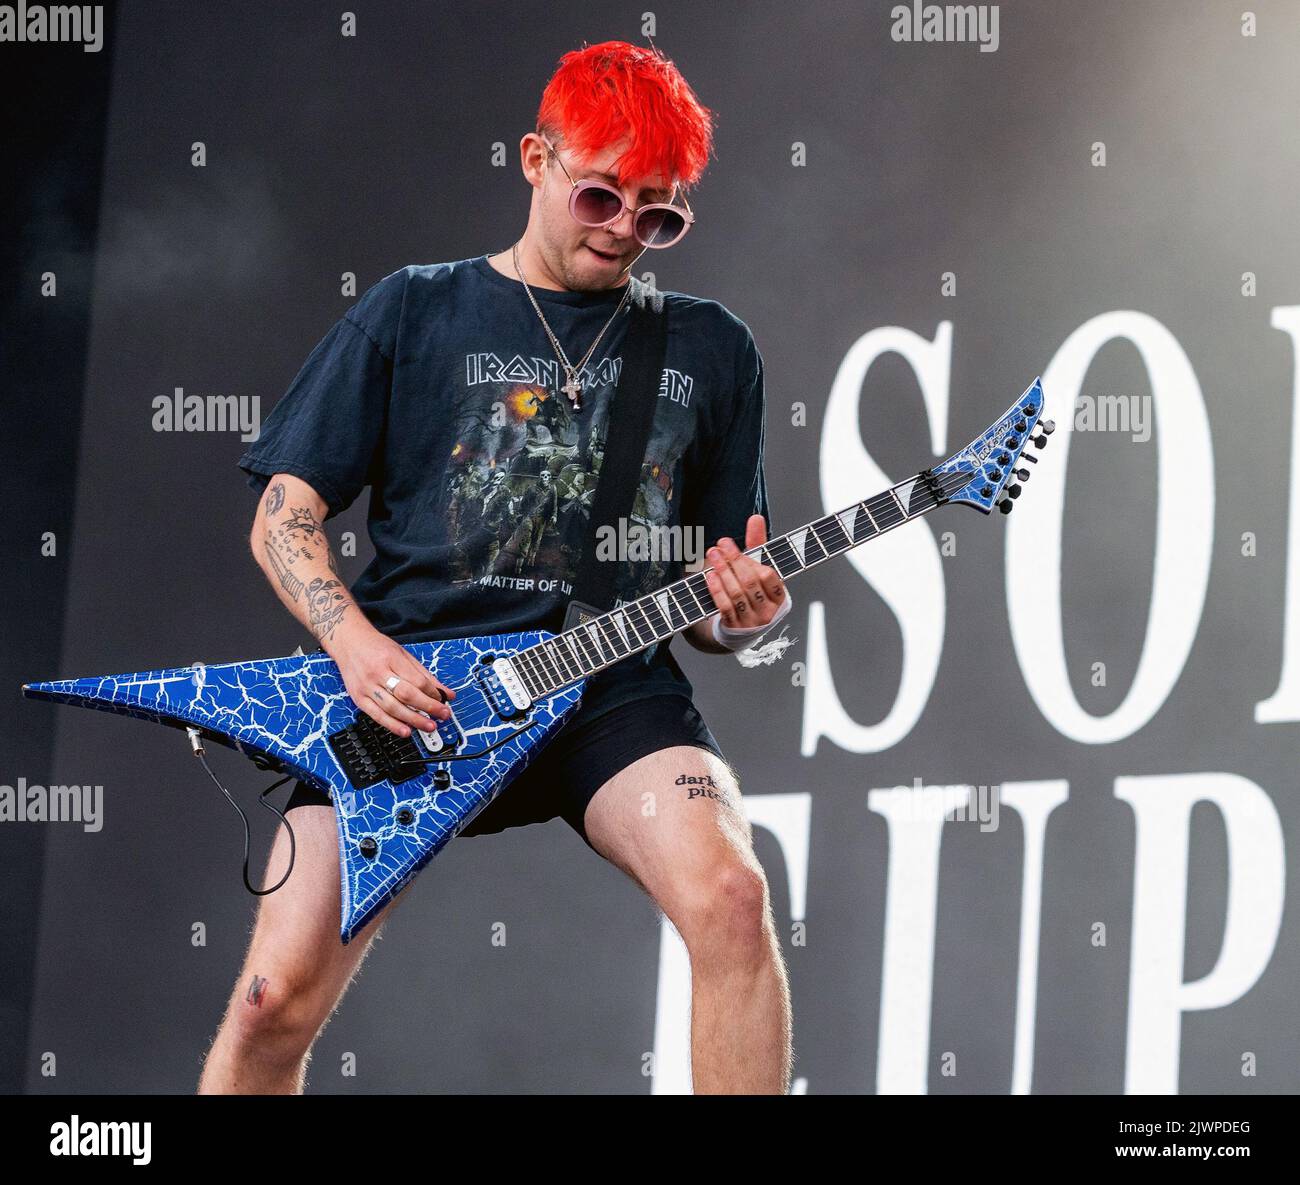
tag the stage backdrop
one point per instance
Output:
(1100, 193)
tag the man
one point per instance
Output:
(474, 399)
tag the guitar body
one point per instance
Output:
(283, 712)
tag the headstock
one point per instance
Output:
(990, 464)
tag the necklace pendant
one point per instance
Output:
(573, 389)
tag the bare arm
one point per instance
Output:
(288, 542)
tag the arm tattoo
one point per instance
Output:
(301, 519)
(287, 546)
(280, 566)
(286, 542)
(299, 529)
(326, 604)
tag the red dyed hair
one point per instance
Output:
(602, 94)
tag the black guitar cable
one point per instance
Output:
(196, 743)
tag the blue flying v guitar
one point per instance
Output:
(400, 800)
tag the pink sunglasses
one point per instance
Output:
(593, 203)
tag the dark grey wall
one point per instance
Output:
(328, 155)
(49, 207)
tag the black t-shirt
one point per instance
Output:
(441, 392)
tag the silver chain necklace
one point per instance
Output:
(572, 388)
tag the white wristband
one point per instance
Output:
(734, 639)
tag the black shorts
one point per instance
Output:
(564, 777)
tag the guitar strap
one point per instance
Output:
(626, 435)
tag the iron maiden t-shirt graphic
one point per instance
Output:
(522, 474)
(441, 392)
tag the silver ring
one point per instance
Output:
(392, 681)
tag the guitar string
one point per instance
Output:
(948, 482)
(534, 659)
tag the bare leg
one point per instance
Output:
(694, 855)
(296, 970)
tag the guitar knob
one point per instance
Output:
(441, 779)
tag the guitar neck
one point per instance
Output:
(585, 650)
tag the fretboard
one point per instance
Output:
(634, 626)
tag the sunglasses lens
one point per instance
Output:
(595, 206)
(659, 227)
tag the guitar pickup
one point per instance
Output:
(500, 683)
(370, 754)
(442, 738)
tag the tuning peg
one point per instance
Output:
(1047, 426)
(1005, 507)
(1029, 457)
(1023, 474)
(1014, 490)
(1040, 442)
